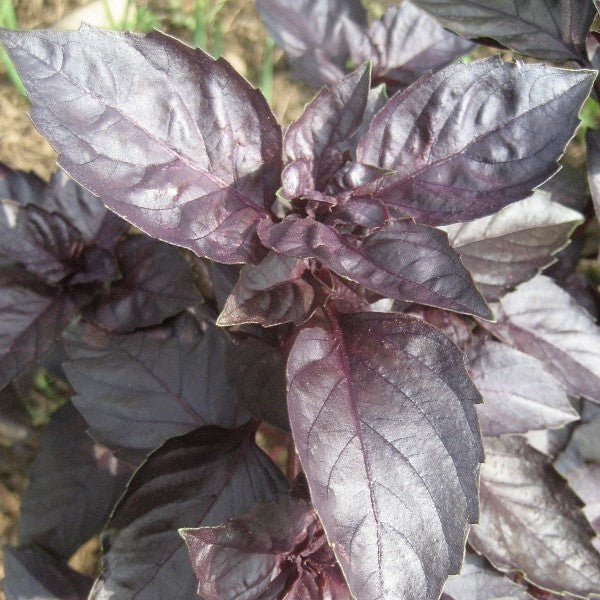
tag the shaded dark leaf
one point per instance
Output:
(177, 143)
(224, 278)
(200, 479)
(545, 29)
(403, 45)
(312, 34)
(256, 371)
(31, 574)
(138, 389)
(19, 186)
(324, 129)
(531, 521)
(276, 551)
(383, 417)
(518, 394)
(157, 283)
(73, 486)
(403, 260)
(592, 140)
(83, 210)
(568, 187)
(32, 317)
(44, 242)
(472, 138)
(503, 250)
(477, 581)
(270, 293)
(541, 319)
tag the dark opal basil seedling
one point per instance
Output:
(357, 207)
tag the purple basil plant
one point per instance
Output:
(374, 274)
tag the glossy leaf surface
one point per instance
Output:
(541, 319)
(579, 464)
(518, 394)
(138, 389)
(503, 250)
(278, 550)
(177, 143)
(200, 479)
(548, 29)
(383, 417)
(327, 124)
(473, 138)
(74, 484)
(270, 293)
(157, 283)
(478, 581)
(404, 261)
(531, 521)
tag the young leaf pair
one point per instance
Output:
(337, 214)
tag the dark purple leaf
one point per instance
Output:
(83, 210)
(579, 464)
(503, 250)
(157, 283)
(547, 29)
(177, 143)
(270, 293)
(224, 278)
(256, 371)
(32, 317)
(383, 417)
(376, 100)
(477, 581)
(324, 129)
(44, 242)
(592, 140)
(73, 487)
(403, 45)
(31, 574)
(19, 186)
(138, 389)
(404, 260)
(568, 187)
(276, 551)
(312, 34)
(518, 394)
(200, 479)
(531, 521)
(459, 330)
(298, 178)
(541, 319)
(472, 138)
